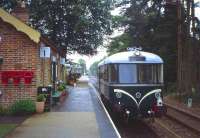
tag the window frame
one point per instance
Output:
(117, 73)
(159, 79)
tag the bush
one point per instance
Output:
(171, 89)
(22, 107)
(3, 111)
(61, 87)
(40, 98)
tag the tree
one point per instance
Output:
(82, 63)
(153, 30)
(119, 44)
(188, 49)
(74, 25)
(8, 4)
(171, 31)
(94, 68)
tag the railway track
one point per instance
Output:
(179, 123)
(176, 124)
(136, 129)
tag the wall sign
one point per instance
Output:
(45, 52)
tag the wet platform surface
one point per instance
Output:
(58, 125)
(78, 100)
(79, 116)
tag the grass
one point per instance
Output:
(6, 128)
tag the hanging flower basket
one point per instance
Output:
(16, 77)
(4, 78)
(16, 80)
(28, 78)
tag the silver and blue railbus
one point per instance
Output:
(131, 83)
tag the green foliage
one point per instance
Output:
(3, 111)
(146, 25)
(94, 67)
(117, 21)
(170, 89)
(73, 24)
(61, 87)
(22, 107)
(82, 63)
(5, 129)
(40, 98)
(119, 44)
(8, 4)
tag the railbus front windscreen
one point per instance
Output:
(140, 73)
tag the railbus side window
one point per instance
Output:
(160, 73)
(101, 72)
(105, 74)
(113, 75)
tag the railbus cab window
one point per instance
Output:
(141, 73)
(127, 73)
(147, 73)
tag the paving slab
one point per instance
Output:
(58, 125)
(79, 116)
(78, 100)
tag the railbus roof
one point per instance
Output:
(124, 57)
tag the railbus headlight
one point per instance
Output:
(157, 95)
(118, 94)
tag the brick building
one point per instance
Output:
(22, 70)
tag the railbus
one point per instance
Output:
(131, 83)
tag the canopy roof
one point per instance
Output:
(20, 26)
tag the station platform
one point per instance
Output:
(80, 116)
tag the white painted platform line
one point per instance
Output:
(112, 123)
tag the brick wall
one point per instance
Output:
(19, 53)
